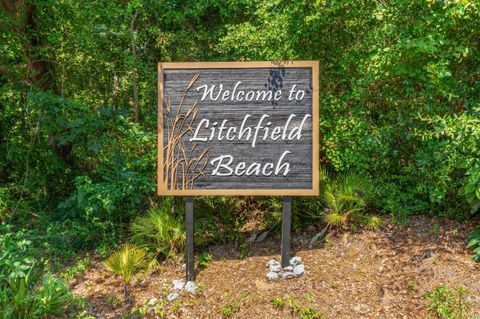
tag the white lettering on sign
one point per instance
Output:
(223, 167)
(250, 132)
(216, 93)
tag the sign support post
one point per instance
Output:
(286, 226)
(189, 246)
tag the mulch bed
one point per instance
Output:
(365, 274)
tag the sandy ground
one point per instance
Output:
(365, 274)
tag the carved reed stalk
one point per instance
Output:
(176, 159)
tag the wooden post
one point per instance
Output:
(189, 256)
(286, 226)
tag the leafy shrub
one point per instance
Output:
(474, 243)
(204, 259)
(33, 295)
(400, 99)
(450, 303)
(125, 262)
(26, 289)
(159, 231)
(471, 189)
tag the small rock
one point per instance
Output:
(178, 284)
(252, 238)
(171, 297)
(272, 275)
(288, 268)
(295, 261)
(288, 274)
(152, 301)
(262, 236)
(299, 270)
(190, 287)
(275, 268)
(272, 262)
(429, 253)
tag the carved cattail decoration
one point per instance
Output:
(192, 81)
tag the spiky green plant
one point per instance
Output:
(373, 222)
(345, 197)
(127, 261)
(159, 232)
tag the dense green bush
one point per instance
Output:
(399, 106)
(391, 73)
(399, 95)
(474, 244)
(27, 289)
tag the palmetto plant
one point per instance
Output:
(345, 197)
(33, 295)
(127, 261)
(159, 232)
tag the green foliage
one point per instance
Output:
(229, 309)
(450, 303)
(244, 250)
(125, 262)
(27, 290)
(400, 107)
(373, 222)
(158, 231)
(471, 188)
(204, 259)
(218, 218)
(303, 311)
(278, 303)
(392, 74)
(345, 197)
(474, 244)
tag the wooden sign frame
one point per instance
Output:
(313, 191)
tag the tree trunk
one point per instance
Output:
(38, 71)
(136, 104)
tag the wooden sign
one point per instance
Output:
(238, 128)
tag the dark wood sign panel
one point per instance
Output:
(238, 128)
